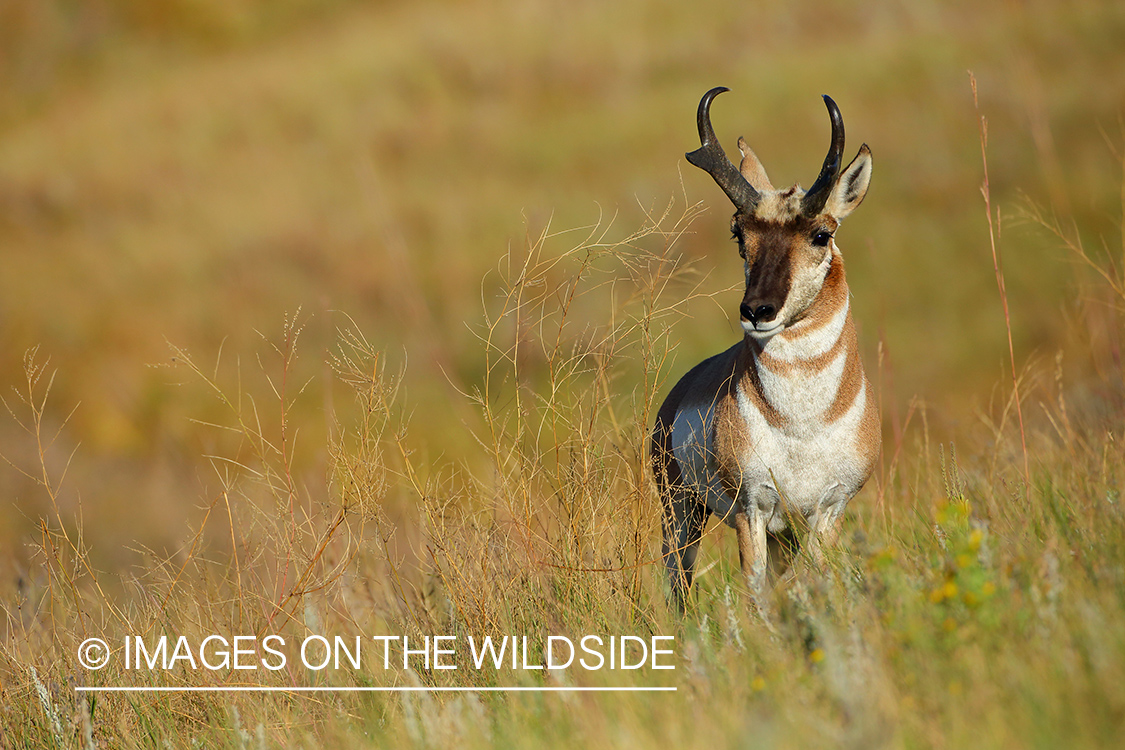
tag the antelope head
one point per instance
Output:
(784, 236)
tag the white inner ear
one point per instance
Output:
(851, 187)
(752, 169)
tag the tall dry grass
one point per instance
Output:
(961, 608)
(555, 537)
(316, 479)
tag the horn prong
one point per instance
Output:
(711, 158)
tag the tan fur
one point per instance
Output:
(870, 435)
(773, 426)
(753, 170)
(807, 366)
(851, 380)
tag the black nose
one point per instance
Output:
(757, 313)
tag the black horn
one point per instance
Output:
(814, 200)
(711, 158)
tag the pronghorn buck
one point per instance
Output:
(784, 425)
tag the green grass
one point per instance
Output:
(320, 350)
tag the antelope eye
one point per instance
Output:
(820, 239)
(737, 237)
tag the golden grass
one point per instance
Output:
(955, 612)
(450, 437)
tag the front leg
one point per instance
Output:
(753, 554)
(824, 526)
(685, 518)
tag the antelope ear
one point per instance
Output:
(752, 168)
(851, 187)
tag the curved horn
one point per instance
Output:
(817, 195)
(711, 158)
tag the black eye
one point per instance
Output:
(820, 239)
(736, 235)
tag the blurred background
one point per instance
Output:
(192, 172)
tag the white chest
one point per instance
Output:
(799, 465)
(789, 469)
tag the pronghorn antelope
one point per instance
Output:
(784, 424)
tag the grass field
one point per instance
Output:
(347, 318)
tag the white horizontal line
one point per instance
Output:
(276, 689)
